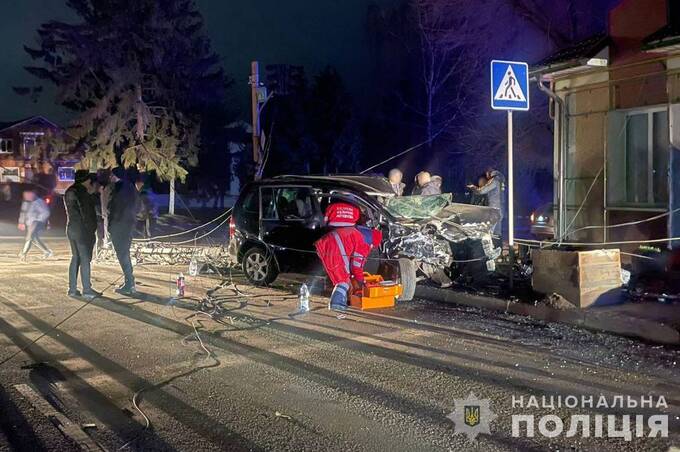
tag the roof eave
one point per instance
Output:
(668, 44)
(569, 67)
(32, 118)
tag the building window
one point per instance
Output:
(643, 160)
(6, 146)
(66, 173)
(31, 142)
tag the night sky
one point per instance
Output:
(304, 32)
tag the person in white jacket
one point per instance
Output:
(33, 220)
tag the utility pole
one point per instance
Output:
(254, 102)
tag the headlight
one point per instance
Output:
(541, 218)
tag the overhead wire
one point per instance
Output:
(595, 244)
(177, 234)
(412, 148)
(629, 223)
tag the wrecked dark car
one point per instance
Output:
(275, 223)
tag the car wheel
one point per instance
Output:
(259, 266)
(407, 279)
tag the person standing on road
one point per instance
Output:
(395, 176)
(495, 194)
(33, 220)
(81, 230)
(122, 220)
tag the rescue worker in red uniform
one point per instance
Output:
(344, 251)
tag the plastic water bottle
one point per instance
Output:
(193, 267)
(304, 299)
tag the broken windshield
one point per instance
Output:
(417, 207)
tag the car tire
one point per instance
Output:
(407, 279)
(259, 266)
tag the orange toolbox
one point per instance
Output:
(377, 293)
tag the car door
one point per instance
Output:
(290, 222)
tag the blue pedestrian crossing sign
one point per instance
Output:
(509, 85)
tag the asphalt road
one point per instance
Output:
(263, 379)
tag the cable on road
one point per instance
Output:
(208, 355)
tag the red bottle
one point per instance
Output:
(181, 285)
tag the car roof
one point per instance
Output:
(373, 185)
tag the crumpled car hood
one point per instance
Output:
(464, 221)
(427, 226)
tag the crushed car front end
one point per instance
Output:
(428, 229)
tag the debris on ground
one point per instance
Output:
(625, 276)
(285, 416)
(557, 301)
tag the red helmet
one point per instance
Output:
(342, 214)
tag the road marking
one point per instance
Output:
(63, 423)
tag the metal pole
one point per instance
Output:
(254, 84)
(605, 220)
(561, 130)
(511, 203)
(564, 131)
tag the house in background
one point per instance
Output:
(616, 106)
(27, 155)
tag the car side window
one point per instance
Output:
(269, 211)
(250, 202)
(287, 203)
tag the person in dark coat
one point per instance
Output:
(425, 186)
(495, 194)
(476, 198)
(81, 228)
(122, 220)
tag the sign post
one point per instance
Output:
(510, 91)
(511, 186)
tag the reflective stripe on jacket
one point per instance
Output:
(343, 253)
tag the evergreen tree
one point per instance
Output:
(139, 75)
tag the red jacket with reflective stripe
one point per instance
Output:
(343, 253)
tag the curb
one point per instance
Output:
(608, 322)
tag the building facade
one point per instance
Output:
(29, 155)
(615, 99)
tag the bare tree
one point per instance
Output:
(445, 34)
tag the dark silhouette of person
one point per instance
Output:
(122, 220)
(81, 228)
